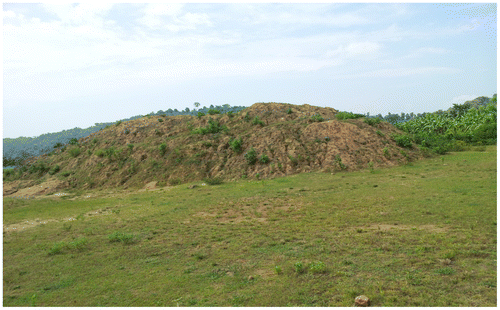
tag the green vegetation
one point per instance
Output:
(425, 236)
(264, 159)
(251, 156)
(373, 121)
(212, 127)
(317, 118)
(236, 145)
(75, 152)
(163, 148)
(213, 111)
(257, 121)
(347, 115)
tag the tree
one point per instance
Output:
(196, 104)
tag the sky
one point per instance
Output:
(74, 65)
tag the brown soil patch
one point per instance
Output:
(36, 222)
(248, 210)
(16, 189)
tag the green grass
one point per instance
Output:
(425, 235)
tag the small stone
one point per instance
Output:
(362, 301)
(250, 278)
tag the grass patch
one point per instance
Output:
(315, 239)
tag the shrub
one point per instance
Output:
(380, 133)
(230, 114)
(257, 121)
(212, 127)
(289, 111)
(54, 170)
(200, 114)
(386, 153)
(66, 173)
(338, 161)
(347, 115)
(316, 118)
(39, 168)
(163, 148)
(158, 132)
(236, 144)
(246, 117)
(73, 141)
(373, 121)
(58, 144)
(100, 153)
(264, 159)
(75, 152)
(160, 120)
(251, 156)
(402, 140)
(118, 123)
(79, 244)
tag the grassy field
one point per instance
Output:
(423, 234)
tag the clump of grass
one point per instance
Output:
(299, 267)
(278, 269)
(57, 248)
(75, 152)
(213, 111)
(339, 162)
(317, 267)
(445, 271)
(160, 120)
(213, 180)
(380, 133)
(289, 111)
(121, 237)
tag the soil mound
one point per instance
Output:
(263, 141)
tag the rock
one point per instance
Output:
(362, 301)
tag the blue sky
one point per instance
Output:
(73, 65)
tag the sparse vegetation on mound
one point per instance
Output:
(263, 141)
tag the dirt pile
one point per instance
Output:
(262, 141)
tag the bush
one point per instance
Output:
(230, 114)
(289, 111)
(402, 140)
(160, 120)
(236, 144)
(54, 170)
(75, 152)
(212, 127)
(100, 153)
(251, 156)
(316, 118)
(163, 148)
(347, 115)
(373, 121)
(200, 114)
(58, 144)
(39, 168)
(264, 159)
(299, 267)
(257, 121)
(73, 141)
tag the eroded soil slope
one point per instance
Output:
(287, 139)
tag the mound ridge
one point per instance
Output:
(177, 149)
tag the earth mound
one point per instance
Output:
(263, 141)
